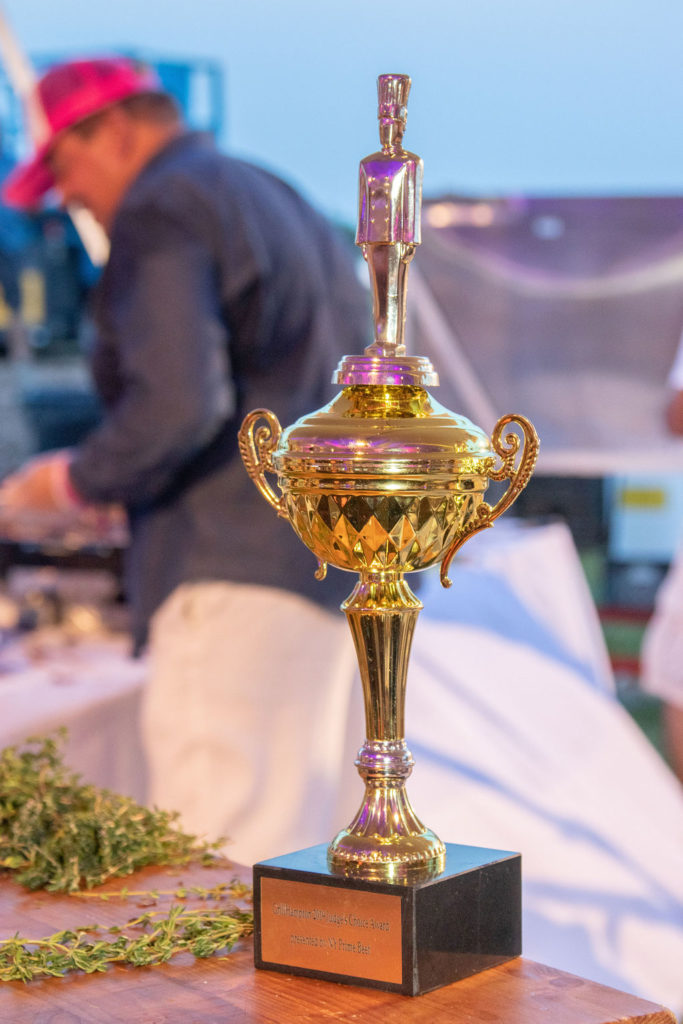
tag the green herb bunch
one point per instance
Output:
(58, 834)
(152, 938)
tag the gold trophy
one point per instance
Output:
(381, 482)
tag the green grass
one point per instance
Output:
(624, 638)
(646, 712)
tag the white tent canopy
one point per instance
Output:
(567, 310)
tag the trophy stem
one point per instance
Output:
(386, 841)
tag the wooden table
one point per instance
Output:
(228, 990)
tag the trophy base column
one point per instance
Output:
(408, 938)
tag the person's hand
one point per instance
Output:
(41, 485)
(39, 500)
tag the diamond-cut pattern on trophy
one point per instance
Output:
(345, 534)
(355, 510)
(388, 512)
(327, 509)
(379, 531)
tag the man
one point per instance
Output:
(224, 291)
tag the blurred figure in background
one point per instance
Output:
(674, 408)
(224, 291)
(662, 650)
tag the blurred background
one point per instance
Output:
(554, 186)
(549, 283)
(507, 97)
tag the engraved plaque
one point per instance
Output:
(331, 929)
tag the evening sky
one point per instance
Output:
(560, 96)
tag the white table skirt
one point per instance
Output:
(94, 689)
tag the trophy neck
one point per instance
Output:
(386, 840)
(382, 612)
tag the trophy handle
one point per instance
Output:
(507, 448)
(256, 448)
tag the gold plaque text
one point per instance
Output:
(331, 928)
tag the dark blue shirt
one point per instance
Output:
(224, 291)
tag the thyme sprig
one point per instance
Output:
(60, 834)
(160, 936)
(234, 888)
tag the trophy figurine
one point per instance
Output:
(381, 482)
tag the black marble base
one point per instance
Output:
(403, 938)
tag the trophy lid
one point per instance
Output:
(382, 432)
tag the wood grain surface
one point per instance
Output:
(227, 990)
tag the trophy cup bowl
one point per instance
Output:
(381, 482)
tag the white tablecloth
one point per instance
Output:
(519, 744)
(93, 688)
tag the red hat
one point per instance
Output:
(67, 94)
